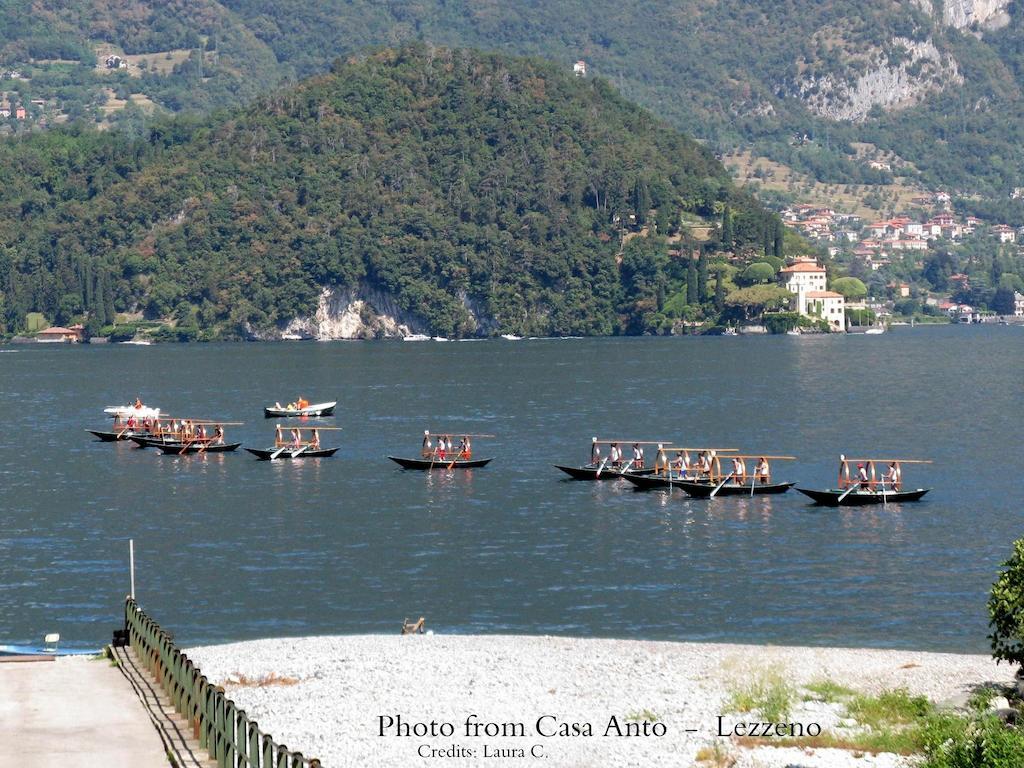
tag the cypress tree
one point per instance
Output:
(780, 239)
(727, 231)
(719, 291)
(702, 277)
(692, 295)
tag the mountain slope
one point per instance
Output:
(472, 193)
(898, 73)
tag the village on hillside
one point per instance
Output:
(905, 242)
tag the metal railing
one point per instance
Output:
(223, 730)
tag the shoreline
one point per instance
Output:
(326, 695)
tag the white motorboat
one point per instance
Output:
(276, 411)
(416, 337)
(124, 411)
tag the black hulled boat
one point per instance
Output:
(704, 488)
(439, 463)
(862, 488)
(266, 454)
(195, 447)
(833, 497)
(596, 473)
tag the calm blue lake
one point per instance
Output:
(230, 548)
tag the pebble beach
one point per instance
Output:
(334, 697)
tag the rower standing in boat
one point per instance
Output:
(661, 460)
(763, 471)
(314, 440)
(614, 456)
(862, 477)
(465, 448)
(892, 476)
(638, 456)
(218, 435)
(595, 452)
(427, 445)
(681, 464)
(296, 438)
(739, 470)
(278, 437)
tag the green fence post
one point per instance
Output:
(268, 752)
(255, 760)
(281, 758)
(298, 761)
(230, 719)
(219, 725)
(242, 737)
(201, 686)
(211, 737)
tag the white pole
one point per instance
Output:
(131, 563)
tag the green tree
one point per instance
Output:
(1002, 301)
(728, 236)
(851, 288)
(719, 290)
(758, 272)
(692, 291)
(779, 246)
(1006, 609)
(757, 298)
(702, 277)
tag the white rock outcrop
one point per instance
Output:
(921, 70)
(359, 313)
(988, 14)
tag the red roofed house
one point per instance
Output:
(806, 279)
(56, 334)
(827, 305)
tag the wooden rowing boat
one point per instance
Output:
(704, 488)
(591, 472)
(111, 437)
(310, 411)
(195, 447)
(834, 497)
(265, 454)
(439, 463)
(862, 487)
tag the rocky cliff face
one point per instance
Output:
(987, 14)
(359, 313)
(899, 78)
(365, 313)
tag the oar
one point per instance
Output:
(296, 453)
(753, 480)
(601, 467)
(720, 486)
(277, 453)
(625, 469)
(847, 492)
(185, 446)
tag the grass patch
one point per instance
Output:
(643, 714)
(768, 693)
(829, 691)
(889, 709)
(716, 756)
(896, 721)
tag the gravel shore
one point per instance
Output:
(330, 697)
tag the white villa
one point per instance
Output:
(806, 279)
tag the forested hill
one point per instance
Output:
(937, 83)
(471, 193)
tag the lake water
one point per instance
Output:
(230, 548)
